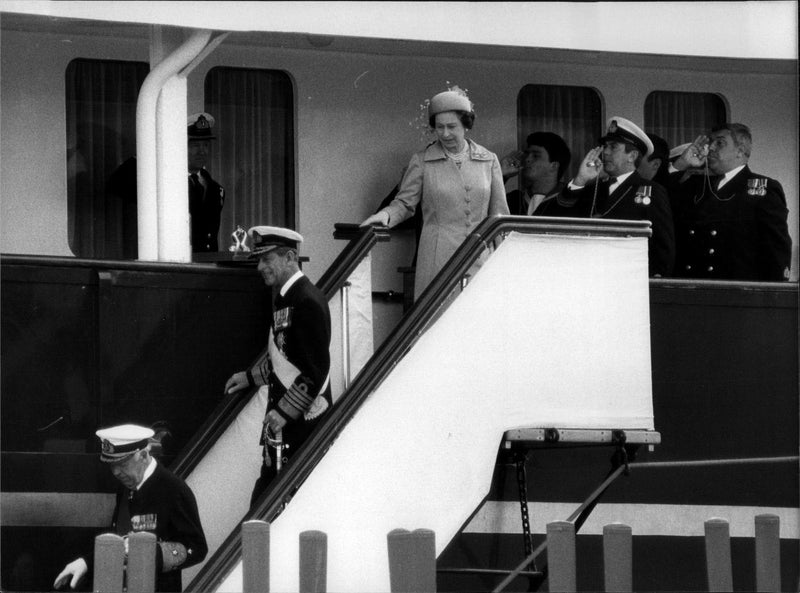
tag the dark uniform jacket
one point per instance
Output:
(741, 233)
(166, 507)
(634, 199)
(300, 334)
(205, 207)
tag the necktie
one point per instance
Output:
(124, 514)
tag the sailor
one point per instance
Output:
(296, 363)
(621, 192)
(731, 223)
(151, 498)
(206, 196)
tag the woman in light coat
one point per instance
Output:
(457, 181)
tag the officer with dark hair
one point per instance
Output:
(151, 499)
(543, 166)
(622, 193)
(655, 166)
(296, 363)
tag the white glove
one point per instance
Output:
(77, 569)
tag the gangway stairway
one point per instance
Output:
(413, 442)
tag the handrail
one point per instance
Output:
(394, 347)
(228, 408)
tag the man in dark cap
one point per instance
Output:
(206, 196)
(151, 499)
(296, 363)
(731, 223)
(624, 194)
(546, 160)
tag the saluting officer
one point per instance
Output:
(206, 196)
(731, 223)
(151, 499)
(296, 363)
(622, 193)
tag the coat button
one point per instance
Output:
(691, 232)
(710, 252)
(688, 267)
(710, 268)
(713, 233)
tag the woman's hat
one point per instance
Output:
(449, 101)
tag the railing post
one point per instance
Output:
(412, 560)
(768, 553)
(109, 563)
(255, 556)
(345, 291)
(618, 557)
(561, 556)
(718, 555)
(142, 562)
(313, 562)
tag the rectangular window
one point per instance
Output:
(682, 117)
(101, 133)
(572, 112)
(253, 156)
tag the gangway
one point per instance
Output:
(413, 441)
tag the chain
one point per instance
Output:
(523, 507)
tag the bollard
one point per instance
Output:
(142, 562)
(561, 556)
(412, 560)
(313, 562)
(718, 555)
(109, 562)
(768, 553)
(255, 556)
(618, 557)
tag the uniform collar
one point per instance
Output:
(151, 467)
(730, 175)
(288, 284)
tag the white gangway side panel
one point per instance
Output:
(552, 331)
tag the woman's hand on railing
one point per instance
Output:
(380, 218)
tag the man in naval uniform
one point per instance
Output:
(731, 223)
(296, 363)
(151, 499)
(623, 193)
(206, 196)
(546, 159)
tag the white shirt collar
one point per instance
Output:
(288, 284)
(151, 467)
(729, 175)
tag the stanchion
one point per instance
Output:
(255, 556)
(561, 556)
(412, 560)
(618, 557)
(109, 563)
(142, 562)
(768, 553)
(313, 562)
(718, 555)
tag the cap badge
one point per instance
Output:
(107, 446)
(202, 123)
(612, 127)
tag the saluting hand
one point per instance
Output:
(590, 167)
(694, 156)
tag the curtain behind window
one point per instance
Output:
(101, 133)
(574, 113)
(682, 117)
(253, 155)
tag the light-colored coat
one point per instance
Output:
(454, 200)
